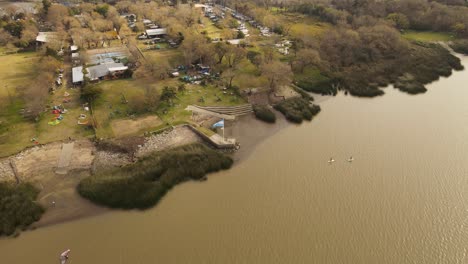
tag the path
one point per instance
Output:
(65, 157)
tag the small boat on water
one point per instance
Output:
(350, 159)
(331, 160)
(64, 256)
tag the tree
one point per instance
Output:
(229, 74)
(102, 10)
(277, 74)
(305, 58)
(5, 37)
(399, 20)
(192, 47)
(167, 93)
(234, 55)
(46, 5)
(268, 54)
(220, 49)
(459, 29)
(56, 15)
(91, 92)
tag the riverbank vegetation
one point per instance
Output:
(265, 114)
(142, 184)
(18, 208)
(460, 46)
(297, 109)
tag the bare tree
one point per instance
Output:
(277, 74)
(234, 55)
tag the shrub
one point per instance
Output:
(168, 93)
(264, 114)
(91, 92)
(460, 46)
(142, 184)
(297, 109)
(322, 86)
(17, 207)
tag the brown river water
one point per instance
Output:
(404, 198)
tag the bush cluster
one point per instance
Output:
(297, 109)
(460, 46)
(142, 184)
(18, 208)
(323, 86)
(265, 114)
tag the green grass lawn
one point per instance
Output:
(196, 95)
(308, 30)
(110, 105)
(427, 36)
(211, 30)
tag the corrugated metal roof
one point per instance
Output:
(97, 71)
(46, 36)
(77, 74)
(156, 32)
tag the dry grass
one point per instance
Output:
(127, 127)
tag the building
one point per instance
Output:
(157, 32)
(44, 37)
(98, 72)
(77, 75)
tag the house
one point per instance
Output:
(157, 32)
(98, 72)
(44, 37)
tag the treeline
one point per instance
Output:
(364, 49)
(18, 208)
(17, 29)
(413, 14)
(142, 184)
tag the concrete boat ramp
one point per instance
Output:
(65, 157)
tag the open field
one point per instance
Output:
(428, 36)
(15, 131)
(198, 95)
(211, 30)
(127, 127)
(68, 127)
(308, 29)
(16, 69)
(117, 102)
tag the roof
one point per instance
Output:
(47, 36)
(234, 41)
(75, 55)
(97, 71)
(77, 74)
(156, 32)
(73, 48)
(121, 68)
